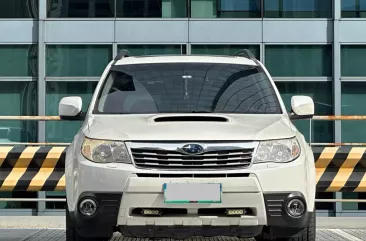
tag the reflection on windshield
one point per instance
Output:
(187, 88)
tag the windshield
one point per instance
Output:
(187, 88)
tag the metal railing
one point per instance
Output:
(32, 199)
(34, 118)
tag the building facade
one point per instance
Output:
(54, 48)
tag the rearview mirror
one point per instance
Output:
(302, 107)
(70, 108)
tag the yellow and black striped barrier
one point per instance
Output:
(340, 169)
(31, 168)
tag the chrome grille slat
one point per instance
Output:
(206, 155)
(189, 160)
(162, 163)
(187, 166)
(169, 156)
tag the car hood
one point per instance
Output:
(203, 127)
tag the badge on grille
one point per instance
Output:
(192, 149)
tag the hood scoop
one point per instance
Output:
(191, 119)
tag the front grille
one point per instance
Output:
(221, 157)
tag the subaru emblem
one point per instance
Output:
(192, 149)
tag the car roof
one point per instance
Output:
(186, 59)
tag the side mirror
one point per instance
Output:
(70, 108)
(302, 107)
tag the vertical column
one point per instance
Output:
(262, 44)
(42, 8)
(262, 52)
(189, 48)
(114, 50)
(337, 103)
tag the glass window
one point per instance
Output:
(353, 59)
(225, 8)
(353, 99)
(18, 205)
(354, 206)
(18, 98)
(64, 131)
(299, 60)
(187, 88)
(18, 8)
(18, 60)
(56, 205)
(80, 9)
(321, 92)
(224, 49)
(136, 50)
(77, 60)
(151, 8)
(323, 205)
(353, 8)
(298, 9)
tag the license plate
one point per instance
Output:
(192, 192)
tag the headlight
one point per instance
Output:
(105, 151)
(283, 151)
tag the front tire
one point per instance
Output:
(72, 234)
(309, 233)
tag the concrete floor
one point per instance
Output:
(59, 235)
(43, 228)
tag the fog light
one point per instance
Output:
(88, 207)
(235, 212)
(295, 208)
(151, 212)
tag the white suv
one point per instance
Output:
(182, 146)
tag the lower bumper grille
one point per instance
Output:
(275, 204)
(183, 212)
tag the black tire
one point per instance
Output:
(309, 234)
(72, 234)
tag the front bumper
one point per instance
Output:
(133, 188)
(111, 206)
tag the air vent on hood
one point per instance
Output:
(191, 119)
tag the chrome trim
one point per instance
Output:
(208, 147)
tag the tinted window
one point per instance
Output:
(151, 8)
(227, 49)
(353, 99)
(80, 9)
(299, 60)
(19, 98)
(239, 9)
(353, 8)
(147, 49)
(77, 60)
(18, 8)
(187, 88)
(225, 8)
(298, 8)
(353, 60)
(18, 60)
